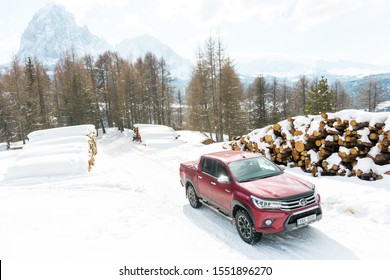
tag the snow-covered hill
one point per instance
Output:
(139, 46)
(132, 206)
(292, 68)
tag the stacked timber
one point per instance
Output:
(56, 152)
(327, 144)
(154, 135)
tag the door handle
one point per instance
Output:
(200, 177)
(213, 183)
(228, 191)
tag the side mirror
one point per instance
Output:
(282, 167)
(223, 179)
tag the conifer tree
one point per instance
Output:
(319, 98)
(259, 114)
(30, 97)
(6, 131)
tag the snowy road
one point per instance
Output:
(132, 206)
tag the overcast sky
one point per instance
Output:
(354, 30)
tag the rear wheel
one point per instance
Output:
(192, 197)
(245, 228)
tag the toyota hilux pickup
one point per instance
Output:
(252, 191)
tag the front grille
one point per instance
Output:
(294, 218)
(299, 202)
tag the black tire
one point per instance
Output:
(245, 228)
(192, 197)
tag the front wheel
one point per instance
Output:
(192, 197)
(246, 229)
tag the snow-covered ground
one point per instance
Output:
(132, 206)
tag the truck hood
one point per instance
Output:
(190, 163)
(280, 186)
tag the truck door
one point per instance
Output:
(205, 178)
(221, 192)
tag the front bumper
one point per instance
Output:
(291, 222)
(286, 221)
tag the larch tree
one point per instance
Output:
(274, 90)
(37, 90)
(77, 106)
(371, 95)
(16, 80)
(300, 90)
(198, 113)
(166, 92)
(8, 124)
(214, 93)
(91, 80)
(180, 110)
(341, 98)
(233, 119)
(286, 97)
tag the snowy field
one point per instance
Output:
(132, 206)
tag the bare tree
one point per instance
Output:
(286, 99)
(341, 97)
(300, 88)
(214, 87)
(371, 95)
(274, 88)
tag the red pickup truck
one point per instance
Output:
(253, 191)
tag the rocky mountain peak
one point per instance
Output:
(53, 30)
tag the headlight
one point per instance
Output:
(265, 204)
(315, 193)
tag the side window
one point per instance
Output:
(207, 166)
(213, 168)
(220, 170)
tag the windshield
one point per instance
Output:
(253, 168)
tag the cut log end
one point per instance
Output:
(299, 146)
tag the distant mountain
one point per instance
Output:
(292, 69)
(53, 30)
(354, 85)
(140, 45)
(354, 76)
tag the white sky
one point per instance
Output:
(354, 30)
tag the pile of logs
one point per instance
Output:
(327, 144)
(92, 149)
(136, 135)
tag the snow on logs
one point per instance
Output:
(348, 142)
(154, 135)
(64, 151)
